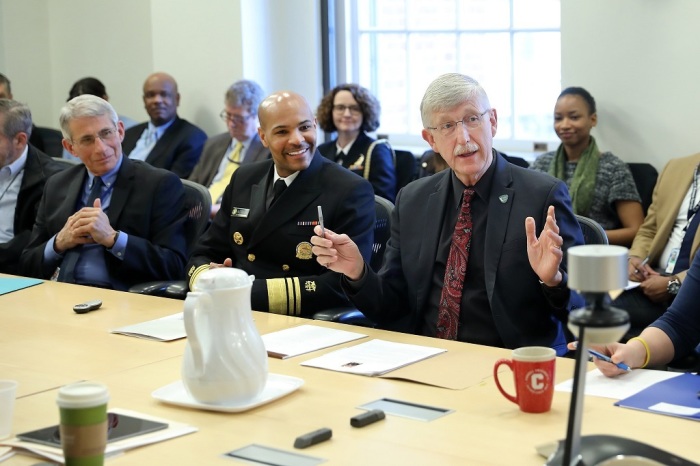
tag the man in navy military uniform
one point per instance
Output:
(270, 208)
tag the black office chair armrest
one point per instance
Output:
(176, 289)
(346, 315)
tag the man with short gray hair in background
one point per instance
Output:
(24, 170)
(225, 152)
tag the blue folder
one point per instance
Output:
(8, 285)
(680, 393)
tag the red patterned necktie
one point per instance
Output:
(456, 269)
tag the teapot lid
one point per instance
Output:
(223, 278)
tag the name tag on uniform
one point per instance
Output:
(239, 212)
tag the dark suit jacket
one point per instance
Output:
(525, 312)
(274, 245)
(37, 170)
(177, 150)
(382, 173)
(214, 151)
(147, 204)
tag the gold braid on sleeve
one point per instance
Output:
(194, 274)
(284, 296)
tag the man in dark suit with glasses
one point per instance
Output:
(109, 222)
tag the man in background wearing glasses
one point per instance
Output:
(225, 152)
(476, 251)
(110, 222)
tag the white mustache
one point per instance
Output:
(465, 149)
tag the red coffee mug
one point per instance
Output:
(533, 371)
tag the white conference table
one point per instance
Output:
(47, 345)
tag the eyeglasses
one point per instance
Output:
(237, 119)
(471, 122)
(106, 135)
(354, 109)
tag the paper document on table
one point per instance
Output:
(294, 341)
(622, 386)
(376, 357)
(174, 429)
(166, 328)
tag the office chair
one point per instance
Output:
(405, 163)
(67, 163)
(593, 233)
(51, 140)
(198, 204)
(519, 161)
(382, 232)
(645, 176)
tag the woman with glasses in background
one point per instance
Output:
(351, 111)
(600, 184)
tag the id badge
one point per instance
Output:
(672, 258)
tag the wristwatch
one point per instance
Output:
(673, 286)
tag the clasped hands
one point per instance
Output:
(340, 254)
(89, 225)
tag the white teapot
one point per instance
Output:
(225, 361)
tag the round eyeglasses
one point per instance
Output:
(237, 119)
(106, 135)
(354, 109)
(470, 122)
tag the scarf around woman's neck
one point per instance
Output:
(583, 182)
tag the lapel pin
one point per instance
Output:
(503, 198)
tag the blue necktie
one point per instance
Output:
(683, 260)
(95, 191)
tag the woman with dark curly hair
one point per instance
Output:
(351, 111)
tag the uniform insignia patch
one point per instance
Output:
(304, 251)
(310, 286)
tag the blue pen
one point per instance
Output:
(603, 357)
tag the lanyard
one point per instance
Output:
(10, 184)
(693, 207)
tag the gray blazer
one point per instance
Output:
(214, 152)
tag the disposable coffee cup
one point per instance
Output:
(83, 426)
(8, 389)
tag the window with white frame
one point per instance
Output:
(396, 48)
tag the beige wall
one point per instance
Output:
(639, 60)
(46, 45)
(637, 57)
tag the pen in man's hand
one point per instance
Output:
(605, 358)
(320, 222)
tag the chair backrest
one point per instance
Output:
(198, 204)
(67, 163)
(405, 168)
(382, 230)
(52, 140)
(645, 176)
(593, 233)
